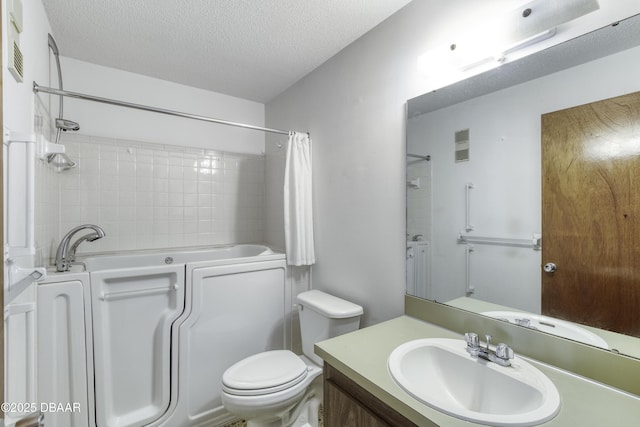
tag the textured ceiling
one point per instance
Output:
(253, 49)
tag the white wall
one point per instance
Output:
(353, 106)
(18, 111)
(123, 123)
(144, 212)
(27, 113)
(18, 97)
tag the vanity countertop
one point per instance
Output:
(362, 356)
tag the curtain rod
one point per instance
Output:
(38, 88)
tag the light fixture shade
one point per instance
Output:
(540, 16)
(488, 45)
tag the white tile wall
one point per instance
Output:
(419, 199)
(156, 196)
(47, 194)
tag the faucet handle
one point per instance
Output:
(503, 351)
(472, 339)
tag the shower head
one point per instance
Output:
(66, 125)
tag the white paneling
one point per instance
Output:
(62, 360)
(20, 359)
(133, 313)
(20, 196)
(235, 311)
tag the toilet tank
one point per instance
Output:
(323, 316)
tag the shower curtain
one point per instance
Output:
(298, 215)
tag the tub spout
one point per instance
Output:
(66, 253)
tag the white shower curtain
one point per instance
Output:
(298, 213)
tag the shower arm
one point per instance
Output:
(54, 48)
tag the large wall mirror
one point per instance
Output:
(480, 183)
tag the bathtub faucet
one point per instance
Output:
(66, 253)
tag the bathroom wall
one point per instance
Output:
(160, 181)
(124, 123)
(203, 213)
(19, 107)
(18, 97)
(353, 106)
(149, 196)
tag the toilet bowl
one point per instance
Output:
(279, 388)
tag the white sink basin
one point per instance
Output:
(550, 325)
(441, 374)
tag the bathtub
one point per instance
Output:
(162, 326)
(223, 254)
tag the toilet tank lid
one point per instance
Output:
(328, 305)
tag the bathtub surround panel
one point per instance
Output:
(235, 311)
(148, 196)
(163, 334)
(133, 316)
(64, 374)
(47, 185)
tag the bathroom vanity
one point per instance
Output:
(359, 391)
(345, 399)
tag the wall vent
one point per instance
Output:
(14, 55)
(462, 146)
(16, 62)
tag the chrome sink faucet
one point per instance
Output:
(501, 355)
(66, 253)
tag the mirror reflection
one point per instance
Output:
(506, 219)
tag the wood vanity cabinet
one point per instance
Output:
(346, 404)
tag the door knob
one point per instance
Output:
(550, 267)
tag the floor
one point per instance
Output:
(243, 423)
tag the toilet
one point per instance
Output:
(279, 388)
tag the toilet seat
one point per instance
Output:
(264, 373)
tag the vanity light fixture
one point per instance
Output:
(501, 39)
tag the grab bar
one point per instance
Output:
(534, 243)
(467, 196)
(469, 288)
(418, 156)
(15, 289)
(137, 293)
